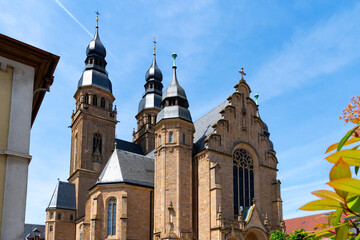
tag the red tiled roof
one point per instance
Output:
(308, 223)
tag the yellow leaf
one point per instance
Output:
(348, 142)
(322, 204)
(340, 170)
(351, 157)
(346, 184)
(326, 194)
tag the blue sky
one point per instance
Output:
(301, 57)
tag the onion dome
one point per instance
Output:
(174, 102)
(95, 73)
(153, 87)
(154, 72)
(95, 46)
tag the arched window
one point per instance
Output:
(170, 137)
(149, 119)
(111, 217)
(86, 98)
(183, 138)
(94, 101)
(102, 104)
(51, 228)
(243, 179)
(97, 143)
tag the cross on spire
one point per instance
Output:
(241, 71)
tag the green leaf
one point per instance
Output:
(342, 232)
(351, 157)
(322, 204)
(346, 137)
(358, 237)
(354, 204)
(335, 145)
(337, 216)
(346, 184)
(356, 170)
(326, 194)
(340, 170)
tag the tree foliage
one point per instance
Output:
(298, 234)
(344, 222)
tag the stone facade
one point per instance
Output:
(90, 118)
(213, 179)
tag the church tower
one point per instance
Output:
(149, 107)
(173, 165)
(93, 123)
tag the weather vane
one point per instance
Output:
(97, 16)
(154, 43)
(242, 73)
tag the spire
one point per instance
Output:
(154, 73)
(174, 90)
(153, 86)
(95, 73)
(95, 46)
(174, 102)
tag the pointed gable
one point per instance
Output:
(63, 196)
(128, 167)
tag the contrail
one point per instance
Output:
(73, 17)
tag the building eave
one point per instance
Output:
(43, 62)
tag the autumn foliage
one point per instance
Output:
(344, 200)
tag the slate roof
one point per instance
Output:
(29, 230)
(63, 196)
(203, 126)
(128, 146)
(127, 167)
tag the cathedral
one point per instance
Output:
(215, 178)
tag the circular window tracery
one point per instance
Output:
(243, 159)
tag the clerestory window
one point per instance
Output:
(94, 101)
(111, 224)
(243, 179)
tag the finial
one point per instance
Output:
(241, 71)
(58, 179)
(256, 96)
(97, 17)
(174, 55)
(253, 201)
(154, 41)
(115, 144)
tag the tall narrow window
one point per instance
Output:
(183, 138)
(243, 180)
(111, 227)
(86, 98)
(170, 137)
(149, 119)
(75, 152)
(97, 143)
(102, 104)
(94, 100)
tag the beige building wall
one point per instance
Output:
(15, 149)
(6, 76)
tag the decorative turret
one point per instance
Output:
(153, 87)
(95, 73)
(149, 107)
(174, 103)
(174, 130)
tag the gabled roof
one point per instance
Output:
(128, 146)
(128, 167)
(203, 126)
(308, 223)
(63, 196)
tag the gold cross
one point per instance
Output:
(242, 73)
